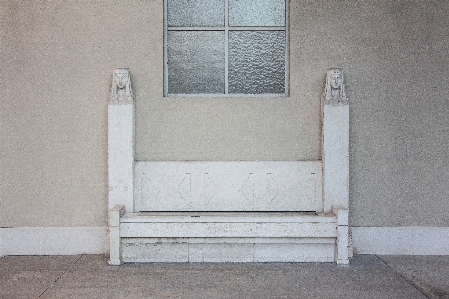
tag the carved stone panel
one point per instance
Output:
(228, 186)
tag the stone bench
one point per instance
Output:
(228, 211)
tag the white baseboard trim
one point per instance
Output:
(53, 240)
(410, 240)
(94, 240)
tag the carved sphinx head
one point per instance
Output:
(121, 92)
(334, 92)
(121, 78)
(336, 78)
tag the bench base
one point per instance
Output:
(228, 237)
(218, 250)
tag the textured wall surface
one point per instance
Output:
(57, 61)
(228, 129)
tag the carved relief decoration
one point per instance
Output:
(185, 187)
(237, 186)
(122, 92)
(259, 188)
(334, 91)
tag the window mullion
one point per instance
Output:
(165, 48)
(196, 28)
(226, 45)
(287, 48)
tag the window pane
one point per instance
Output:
(256, 62)
(196, 62)
(195, 13)
(256, 12)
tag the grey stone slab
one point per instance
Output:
(247, 283)
(429, 274)
(101, 292)
(37, 263)
(29, 276)
(91, 261)
(20, 294)
(365, 277)
(26, 284)
(90, 276)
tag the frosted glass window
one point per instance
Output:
(225, 47)
(256, 62)
(195, 12)
(256, 12)
(196, 62)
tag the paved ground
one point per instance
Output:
(89, 276)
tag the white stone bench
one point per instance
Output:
(244, 211)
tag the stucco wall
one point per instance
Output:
(57, 61)
(58, 56)
(230, 129)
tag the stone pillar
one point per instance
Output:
(121, 141)
(336, 158)
(335, 142)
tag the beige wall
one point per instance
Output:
(57, 60)
(229, 129)
(398, 74)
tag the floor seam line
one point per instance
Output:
(410, 282)
(60, 276)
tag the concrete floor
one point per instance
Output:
(89, 276)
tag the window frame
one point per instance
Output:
(226, 28)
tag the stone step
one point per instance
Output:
(228, 225)
(296, 217)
